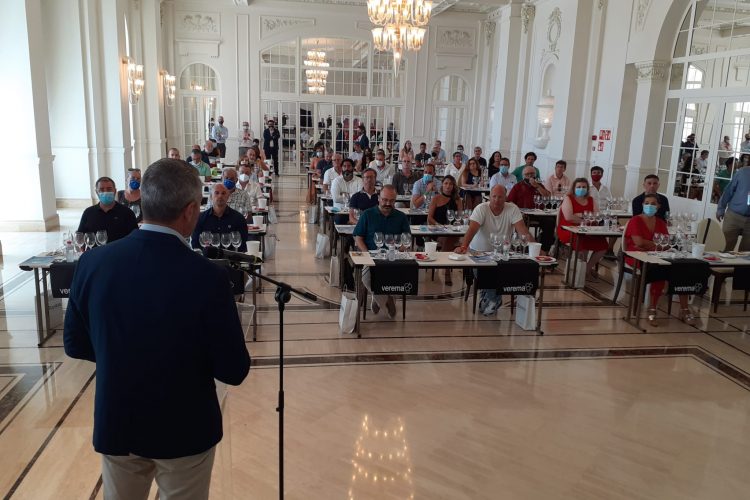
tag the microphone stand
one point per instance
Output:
(282, 296)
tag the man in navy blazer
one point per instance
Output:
(160, 322)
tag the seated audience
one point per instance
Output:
(323, 165)
(494, 166)
(651, 186)
(471, 176)
(220, 218)
(522, 195)
(210, 152)
(382, 168)
(639, 236)
(456, 168)
(422, 156)
(407, 153)
(238, 200)
(131, 195)
(494, 216)
(425, 187)
(478, 157)
(446, 199)
(385, 219)
(332, 173)
(574, 205)
(405, 177)
(204, 170)
(558, 183)
(599, 191)
(529, 160)
(502, 175)
(364, 199)
(118, 220)
(345, 185)
(247, 183)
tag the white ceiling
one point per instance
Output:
(438, 6)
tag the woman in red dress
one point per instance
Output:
(639, 236)
(575, 203)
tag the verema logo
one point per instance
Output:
(527, 288)
(405, 288)
(696, 288)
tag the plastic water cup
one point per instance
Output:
(698, 249)
(253, 247)
(257, 220)
(535, 249)
(262, 203)
(430, 248)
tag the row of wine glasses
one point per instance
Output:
(459, 216)
(547, 202)
(682, 221)
(680, 242)
(84, 241)
(517, 243)
(216, 240)
(391, 241)
(617, 204)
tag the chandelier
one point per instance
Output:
(316, 72)
(400, 25)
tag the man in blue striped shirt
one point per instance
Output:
(734, 208)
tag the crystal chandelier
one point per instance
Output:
(316, 73)
(400, 25)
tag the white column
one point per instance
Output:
(516, 152)
(27, 197)
(153, 106)
(508, 42)
(644, 143)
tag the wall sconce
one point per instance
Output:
(169, 88)
(545, 114)
(135, 80)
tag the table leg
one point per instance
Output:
(572, 279)
(38, 299)
(45, 301)
(568, 264)
(540, 302)
(342, 267)
(633, 292)
(358, 287)
(638, 303)
(255, 308)
(331, 236)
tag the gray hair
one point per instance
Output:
(168, 186)
(228, 169)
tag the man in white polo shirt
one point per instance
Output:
(494, 216)
(332, 173)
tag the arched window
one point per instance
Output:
(450, 98)
(708, 105)
(198, 92)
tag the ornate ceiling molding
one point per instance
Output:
(554, 30)
(527, 14)
(641, 13)
(649, 71)
(489, 31)
(270, 25)
(456, 40)
(198, 23)
(602, 4)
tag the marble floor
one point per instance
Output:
(444, 405)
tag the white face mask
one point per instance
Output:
(379, 163)
(244, 177)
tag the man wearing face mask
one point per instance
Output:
(220, 217)
(503, 177)
(346, 183)
(383, 169)
(247, 184)
(118, 220)
(332, 173)
(220, 133)
(204, 170)
(271, 137)
(464, 156)
(163, 418)
(424, 187)
(522, 195)
(131, 196)
(246, 139)
(599, 191)
(239, 200)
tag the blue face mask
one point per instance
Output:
(106, 198)
(504, 170)
(649, 210)
(229, 184)
(581, 192)
(134, 185)
(427, 178)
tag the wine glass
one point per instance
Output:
(515, 242)
(407, 188)
(226, 240)
(537, 200)
(90, 240)
(378, 239)
(505, 247)
(205, 239)
(467, 216)
(406, 241)
(136, 210)
(101, 237)
(524, 242)
(215, 240)
(356, 214)
(451, 215)
(496, 240)
(236, 239)
(390, 241)
(598, 218)
(79, 240)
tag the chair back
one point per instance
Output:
(710, 234)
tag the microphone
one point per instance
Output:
(218, 253)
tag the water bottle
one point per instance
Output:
(391, 254)
(70, 253)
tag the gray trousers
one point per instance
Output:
(733, 226)
(130, 477)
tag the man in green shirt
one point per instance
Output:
(204, 170)
(385, 219)
(530, 158)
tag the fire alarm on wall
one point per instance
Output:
(594, 137)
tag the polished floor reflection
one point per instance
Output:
(445, 404)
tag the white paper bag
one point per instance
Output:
(312, 214)
(580, 281)
(322, 246)
(348, 312)
(269, 247)
(272, 218)
(526, 312)
(333, 274)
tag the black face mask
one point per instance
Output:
(348, 174)
(434, 154)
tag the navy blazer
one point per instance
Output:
(160, 322)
